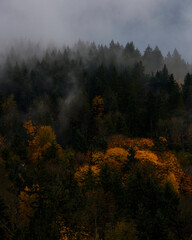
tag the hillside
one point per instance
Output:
(95, 143)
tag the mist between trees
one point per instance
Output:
(55, 86)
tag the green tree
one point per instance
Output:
(135, 107)
(187, 91)
(175, 95)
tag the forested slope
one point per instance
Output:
(95, 143)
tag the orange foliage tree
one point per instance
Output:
(127, 143)
(114, 157)
(98, 106)
(82, 174)
(163, 164)
(40, 139)
(27, 199)
(67, 233)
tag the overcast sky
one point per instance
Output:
(166, 23)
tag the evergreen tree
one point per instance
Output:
(187, 91)
(175, 96)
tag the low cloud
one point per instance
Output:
(167, 24)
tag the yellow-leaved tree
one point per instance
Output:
(98, 106)
(67, 233)
(83, 173)
(114, 157)
(127, 143)
(40, 139)
(27, 199)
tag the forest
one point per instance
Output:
(95, 143)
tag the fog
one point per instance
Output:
(166, 23)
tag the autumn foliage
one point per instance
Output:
(93, 146)
(98, 106)
(127, 143)
(27, 200)
(40, 139)
(164, 164)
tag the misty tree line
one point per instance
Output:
(140, 96)
(60, 110)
